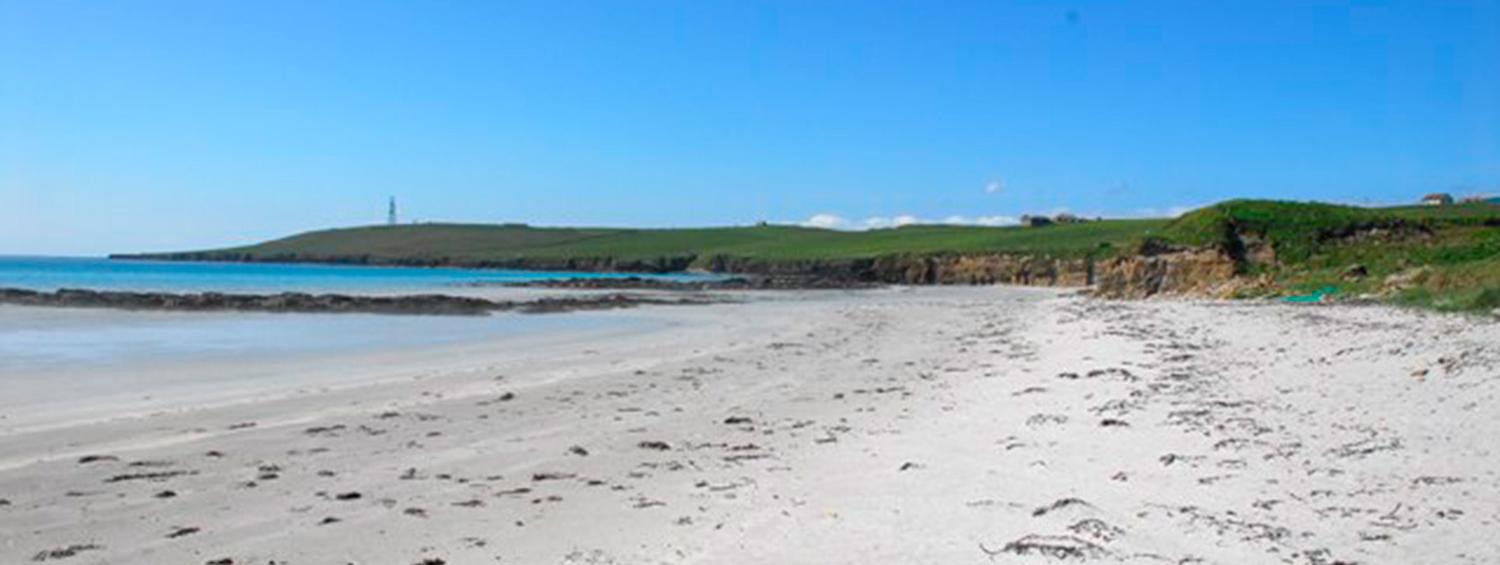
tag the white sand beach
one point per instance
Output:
(905, 425)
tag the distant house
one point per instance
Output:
(1438, 199)
(1066, 218)
(1480, 199)
(1031, 221)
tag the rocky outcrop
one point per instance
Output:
(737, 282)
(1405, 280)
(1198, 272)
(922, 269)
(422, 304)
(281, 302)
(990, 269)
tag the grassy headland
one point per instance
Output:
(1446, 257)
(478, 245)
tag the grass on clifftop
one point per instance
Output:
(477, 244)
(1450, 254)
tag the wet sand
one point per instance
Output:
(961, 425)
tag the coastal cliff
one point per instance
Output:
(1188, 272)
(1202, 272)
(987, 268)
(1446, 257)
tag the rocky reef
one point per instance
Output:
(737, 282)
(422, 304)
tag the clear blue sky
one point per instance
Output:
(165, 125)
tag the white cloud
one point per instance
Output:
(1168, 212)
(879, 222)
(837, 222)
(991, 221)
(994, 186)
(996, 221)
(826, 221)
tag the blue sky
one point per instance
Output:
(131, 126)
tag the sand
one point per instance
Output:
(961, 425)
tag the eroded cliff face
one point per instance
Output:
(922, 270)
(984, 269)
(1196, 272)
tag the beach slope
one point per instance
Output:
(931, 425)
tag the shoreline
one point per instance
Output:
(164, 381)
(430, 304)
(980, 424)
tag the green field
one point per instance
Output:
(482, 244)
(1451, 252)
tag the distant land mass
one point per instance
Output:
(1442, 256)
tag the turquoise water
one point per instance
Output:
(52, 273)
(45, 340)
(35, 338)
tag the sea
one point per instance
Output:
(70, 348)
(52, 273)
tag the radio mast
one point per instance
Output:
(390, 216)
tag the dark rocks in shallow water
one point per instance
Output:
(283, 302)
(421, 304)
(769, 281)
(597, 302)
